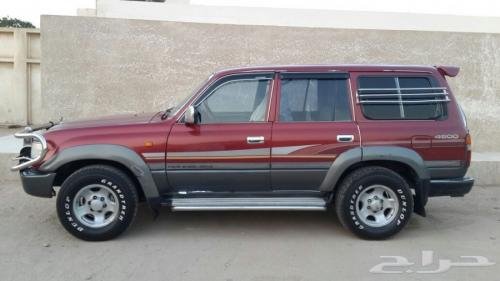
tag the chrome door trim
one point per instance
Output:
(345, 138)
(255, 139)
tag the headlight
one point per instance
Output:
(36, 149)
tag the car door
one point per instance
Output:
(229, 148)
(314, 125)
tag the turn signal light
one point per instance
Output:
(468, 141)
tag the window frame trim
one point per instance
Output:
(257, 76)
(335, 75)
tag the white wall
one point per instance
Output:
(19, 74)
(317, 16)
(484, 8)
(108, 66)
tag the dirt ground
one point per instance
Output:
(246, 245)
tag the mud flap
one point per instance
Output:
(420, 197)
(155, 205)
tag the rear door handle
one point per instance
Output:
(345, 138)
(255, 139)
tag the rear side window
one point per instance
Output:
(402, 98)
(313, 99)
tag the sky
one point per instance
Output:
(31, 10)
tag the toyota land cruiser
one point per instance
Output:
(371, 142)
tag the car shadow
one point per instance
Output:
(234, 223)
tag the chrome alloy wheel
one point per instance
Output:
(377, 205)
(95, 205)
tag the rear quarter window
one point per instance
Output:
(401, 98)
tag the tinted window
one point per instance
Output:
(241, 100)
(379, 111)
(314, 100)
(420, 111)
(414, 98)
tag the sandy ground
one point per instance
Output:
(245, 245)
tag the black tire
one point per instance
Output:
(117, 182)
(359, 182)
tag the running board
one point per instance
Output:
(249, 204)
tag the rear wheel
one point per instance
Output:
(374, 202)
(97, 202)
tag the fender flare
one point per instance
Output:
(339, 166)
(373, 153)
(381, 153)
(398, 154)
(410, 158)
(117, 153)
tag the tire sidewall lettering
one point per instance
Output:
(352, 208)
(76, 224)
(401, 217)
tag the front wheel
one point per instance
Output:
(97, 203)
(374, 202)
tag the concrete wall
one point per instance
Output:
(19, 74)
(95, 66)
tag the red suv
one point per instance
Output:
(372, 142)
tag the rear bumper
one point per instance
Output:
(450, 187)
(37, 184)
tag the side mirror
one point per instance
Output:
(190, 116)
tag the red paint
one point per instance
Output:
(404, 132)
(134, 131)
(212, 137)
(450, 71)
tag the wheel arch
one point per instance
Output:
(404, 161)
(121, 157)
(400, 168)
(63, 172)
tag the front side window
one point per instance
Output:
(234, 101)
(401, 98)
(314, 100)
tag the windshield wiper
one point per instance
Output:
(166, 113)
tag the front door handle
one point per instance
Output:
(255, 139)
(345, 138)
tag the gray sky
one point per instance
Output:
(32, 9)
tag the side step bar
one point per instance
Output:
(266, 203)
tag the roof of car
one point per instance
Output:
(325, 67)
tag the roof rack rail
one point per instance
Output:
(402, 95)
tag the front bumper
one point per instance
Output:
(450, 187)
(37, 184)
